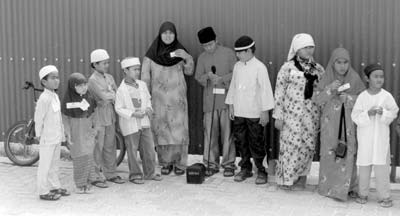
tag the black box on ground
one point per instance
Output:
(195, 173)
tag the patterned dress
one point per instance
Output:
(300, 117)
(169, 122)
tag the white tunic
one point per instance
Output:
(373, 133)
(250, 90)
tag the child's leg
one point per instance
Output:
(147, 153)
(109, 152)
(365, 176)
(98, 153)
(256, 144)
(240, 132)
(54, 180)
(228, 146)
(382, 181)
(46, 157)
(132, 143)
(214, 151)
(81, 170)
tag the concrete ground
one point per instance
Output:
(172, 196)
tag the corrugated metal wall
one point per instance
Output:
(63, 32)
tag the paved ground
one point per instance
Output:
(172, 196)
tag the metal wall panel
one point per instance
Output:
(34, 33)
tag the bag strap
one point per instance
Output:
(342, 124)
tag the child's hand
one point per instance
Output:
(372, 111)
(379, 110)
(264, 118)
(138, 114)
(149, 111)
(334, 85)
(278, 124)
(231, 112)
(343, 97)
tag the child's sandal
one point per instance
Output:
(61, 191)
(386, 203)
(362, 199)
(51, 196)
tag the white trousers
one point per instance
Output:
(47, 174)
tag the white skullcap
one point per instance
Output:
(129, 61)
(299, 41)
(44, 71)
(98, 55)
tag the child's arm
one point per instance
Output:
(267, 96)
(42, 107)
(231, 96)
(359, 115)
(389, 111)
(67, 128)
(149, 108)
(95, 89)
(280, 92)
(120, 107)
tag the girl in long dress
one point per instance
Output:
(338, 176)
(296, 114)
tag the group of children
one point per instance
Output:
(85, 116)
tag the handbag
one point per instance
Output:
(341, 148)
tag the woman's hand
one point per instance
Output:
(149, 111)
(278, 124)
(181, 54)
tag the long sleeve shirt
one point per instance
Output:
(373, 132)
(128, 100)
(103, 88)
(223, 59)
(48, 119)
(250, 90)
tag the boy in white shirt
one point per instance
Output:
(49, 129)
(374, 110)
(133, 105)
(250, 97)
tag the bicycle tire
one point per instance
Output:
(120, 146)
(19, 129)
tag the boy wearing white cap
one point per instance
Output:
(102, 86)
(133, 105)
(249, 98)
(49, 129)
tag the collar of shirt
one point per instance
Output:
(102, 75)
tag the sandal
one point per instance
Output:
(166, 170)
(353, 194)
(81, 190)
(116, 179)
(137, 181)
(99, 184)
(61, 191)
(285, 187)
(386, 203)
(51, 196)
(362, 199)
(179, 171)
(156, 177)
(229, 172)
(211, 171)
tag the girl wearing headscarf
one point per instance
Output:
(77, 108)
(337, 176)
(296, 114)
(164, 66)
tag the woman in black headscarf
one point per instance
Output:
(77, 108)
(164, 66)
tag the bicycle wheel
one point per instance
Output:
(120, 147)
(20, 148)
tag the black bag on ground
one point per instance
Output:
(341, 148)
(195, 173)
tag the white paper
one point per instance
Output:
(220, 91)
(344, 87)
